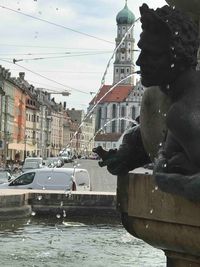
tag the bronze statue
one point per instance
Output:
(169, 44)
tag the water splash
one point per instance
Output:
(90, 112)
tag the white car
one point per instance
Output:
(51, 179)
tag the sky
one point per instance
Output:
(63, 45)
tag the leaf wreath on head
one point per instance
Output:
(181, 31)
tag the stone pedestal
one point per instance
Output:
(165, 221)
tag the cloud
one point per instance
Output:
(96, 18)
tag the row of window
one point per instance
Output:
(122, 70)
(32, 117)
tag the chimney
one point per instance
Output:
(22, 75)
(64, 105)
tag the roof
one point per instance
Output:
(125, 16)
(109, 137)
(118, 94)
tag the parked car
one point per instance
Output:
(5, 176)
(39, 160)
(30, 166)
(66, 156)
(53, 162)
(51, 179)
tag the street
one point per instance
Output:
(101, 179)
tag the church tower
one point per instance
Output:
(123, 65)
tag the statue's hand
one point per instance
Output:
(160, 164)
(113, 160)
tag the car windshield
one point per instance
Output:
(31, 165)
(4, 176)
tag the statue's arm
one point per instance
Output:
(130, 155)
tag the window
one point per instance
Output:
(99, 118)
(133, 113)
(114, 111)
(122, 126)
(123, 111)
(24, 179)
(122, 70)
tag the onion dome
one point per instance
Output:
(125, 16)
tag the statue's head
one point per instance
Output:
(169, 44)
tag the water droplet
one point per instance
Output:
(172, 48)
(168, 86)
(33, 213)
(58, 216)
(164, 114)
(147, 226)
(39, 197)
(43, 188)
(64, 213)
(23, 239)
(160, 144)
(151, 211)
(49, 178)
(156, 187)
(61, 203)
(173, 7)
(166, 20)
(153, 191)
(165, 165)
(176, 33)
(78, 165)
(159, 111)
(172, 65)
(28, 222)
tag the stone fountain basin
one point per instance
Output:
(165, 221)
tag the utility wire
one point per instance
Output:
(64, 85)
(55, 24)
(41, 58)
(66, 71)
(38, 46)
(54, 53)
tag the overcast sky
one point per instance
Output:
(70, 59)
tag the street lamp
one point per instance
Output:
(25, 140)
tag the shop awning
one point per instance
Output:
(21, 147)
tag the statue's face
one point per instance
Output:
(154, 59)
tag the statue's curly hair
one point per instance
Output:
(182, 32)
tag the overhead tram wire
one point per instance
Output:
(55, 53)
(47, 47)
(55, 24)
(41, 58)
(63, 85)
